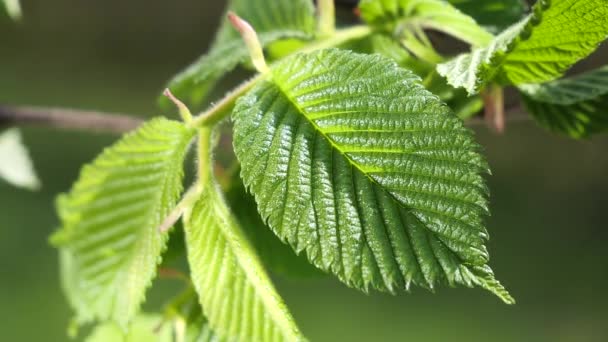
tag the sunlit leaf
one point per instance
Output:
(13, 8)
(109, 239)
(351, 160)
(16, 167)
(539, 48)
(145, 328)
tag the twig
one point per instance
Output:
(86, 120)
(71, 119)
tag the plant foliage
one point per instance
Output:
(357, 161)
(539, 48)
(353, 161)
(576, 106)
(109, 238)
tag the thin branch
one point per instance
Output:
(70, 119)
(94, 121)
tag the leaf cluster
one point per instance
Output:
(352, 159)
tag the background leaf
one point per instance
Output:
(539, 48)
(13, 8)
(143, 329)
(109, 239)
(352, 160)
(16, 167)
(235, 292)
(397, 15)
(272, 20)
(576, 106)
(495, 15)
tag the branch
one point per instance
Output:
(94, 121)
(70, 119)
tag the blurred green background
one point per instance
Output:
(549, 194)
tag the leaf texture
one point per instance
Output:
(276, 256)
(576, 106)
(397, 15)
(351, 160)
(539, 48)
(273, 21)
(110, 245)
(235, 292)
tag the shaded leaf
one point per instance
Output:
(109, 239)
(539, 48)
(273, 21)
(397, 15)
(495, 15)
(351, 160)
(576, 106)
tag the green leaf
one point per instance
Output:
(539, 48)
(576, 106)
(394, 16)
(235, 292)
(276, 256)
(145, 328)
(109, 240)
(273, 21)
(495, 15)
(13, 8)
(352, 160)
(16, 166)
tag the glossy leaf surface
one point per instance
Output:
(351, 160)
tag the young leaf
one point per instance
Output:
(576, 106)
(273, 21)
(16, 167)
(235, 292)
(352, 160)
(495, 15)
(539, 48)
(109, 240)
(397, 15)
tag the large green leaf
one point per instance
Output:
(273, 20)
(109, 240)
(352, 160)
(576, 106)
(16, 166)
(539, 48)
(276, 256)
(235, 292)
(496, 15)
(397, 15)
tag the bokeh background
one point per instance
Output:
(549, 229)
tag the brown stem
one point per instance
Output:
(71, 119)
(93, 121)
